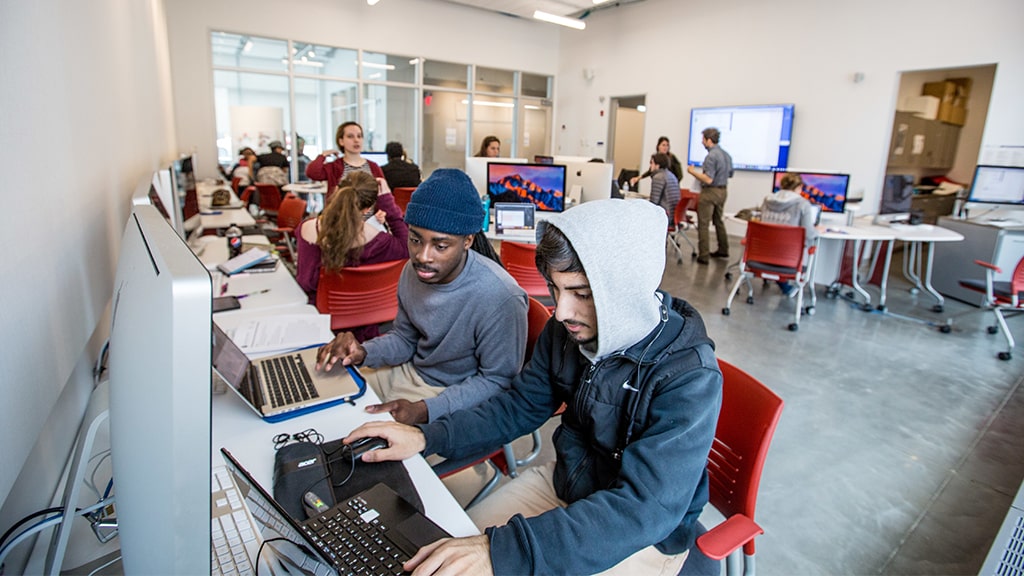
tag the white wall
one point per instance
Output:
(683, 54)
(85, 98)
(427, 28)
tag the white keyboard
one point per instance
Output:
(234, 536)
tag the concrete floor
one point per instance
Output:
(900, 448)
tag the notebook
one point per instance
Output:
(373, 532)
(514, 218)
(285, 385)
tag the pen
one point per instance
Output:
(264, 291)
(223, 288)
(211, 213)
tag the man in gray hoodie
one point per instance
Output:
(637, 374)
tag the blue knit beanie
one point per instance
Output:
(448, 203)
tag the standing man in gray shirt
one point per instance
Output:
(460, 334)
(717, 169)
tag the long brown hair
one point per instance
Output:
(341, 222)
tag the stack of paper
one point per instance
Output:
(243, 261)
(282, 333)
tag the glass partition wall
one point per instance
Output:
(296, 92)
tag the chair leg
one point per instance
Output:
(486, 490)
(1001, 322)
(682, 232)
(748, 565)
(732, 294)
(672, 243)
(734, 563)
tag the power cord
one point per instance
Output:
(5, 548)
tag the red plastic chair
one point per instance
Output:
(289, 216)
(681, 222)
(519, 262)
(503, 461)
(746, 424)
(775, 252)
(1001, 298)
(235, 182)
(269, 195)
(360, 295)
(402, 196)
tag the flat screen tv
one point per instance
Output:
(998, 185)
(542, 185)
(757, 137)
(824, 189)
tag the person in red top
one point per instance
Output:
(351, 231)
(332, 165)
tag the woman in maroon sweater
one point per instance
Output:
(350, 232)
(332, 166)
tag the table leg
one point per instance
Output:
(938, 307)
(912, 266)
(885, 276)
(854, 276)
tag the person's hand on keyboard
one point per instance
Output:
(403, 441)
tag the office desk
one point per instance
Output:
(237, 428)
(861, 232)
(314, 193)
(914, 268)
(284, 291)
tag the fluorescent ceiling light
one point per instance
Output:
(492, 104)
(414, 61)
(311, 54)
(641, 108)
(248, 46)
(378, 66)
(372, 2)
(304, 62)
(560, 20)
(601, 1)
(531, 107)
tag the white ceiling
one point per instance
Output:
(525, 8)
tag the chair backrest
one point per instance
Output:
(291, 212)
(270, 196)
(750, 412)
(775, 244)
(687, 201)
(402, 196)
(235, 182)
(1017, 280)
(519, 262)
(360, 295)
(536, 317)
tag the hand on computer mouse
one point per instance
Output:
(368, 444)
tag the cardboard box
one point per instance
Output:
(952, 114)
(952, 91)
(921, 106)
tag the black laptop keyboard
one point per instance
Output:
(288, 380)
(352, 534)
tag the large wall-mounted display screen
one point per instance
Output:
(757, 137)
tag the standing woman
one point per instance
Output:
(332, 166)
(489, 148)
(664, 147)
(349, 232)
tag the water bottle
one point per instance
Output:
(234, 236)
(487, 212)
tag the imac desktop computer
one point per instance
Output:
(824, 189)
(476, 169)
(997, 194)
(160, 410)
(542, 185)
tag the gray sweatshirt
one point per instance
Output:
(790, 208)
(468, 335)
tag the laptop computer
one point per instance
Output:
(373, 532)
(285, 385)
(514, 218)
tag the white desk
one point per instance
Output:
(237, 428)
(284, 291)
(859, 233)
(915, 237)
(314, 190)
(216, 218)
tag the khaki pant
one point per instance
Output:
(533, 493)
(710, 209)
(399, 382)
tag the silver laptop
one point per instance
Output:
(286, 385)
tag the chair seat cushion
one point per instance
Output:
(763, 267)
(1000, 289)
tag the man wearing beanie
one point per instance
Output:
(642, 389)
(460, 334)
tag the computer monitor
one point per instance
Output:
(543, 185)
(594, 179)
(824, 189)
(182, 178)
(476, 169)
(378, 158)
(541, 159)
(160, 418)
(998, 186)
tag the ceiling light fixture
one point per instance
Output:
(601, 1)
(372, 2)
(312, 54)
(303, 63)
(560, 20)
(378, 66)
(248, 46)
(641, 108)
(491, 104)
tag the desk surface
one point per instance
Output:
(284, 291)
(237, 428)
(312, 187)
